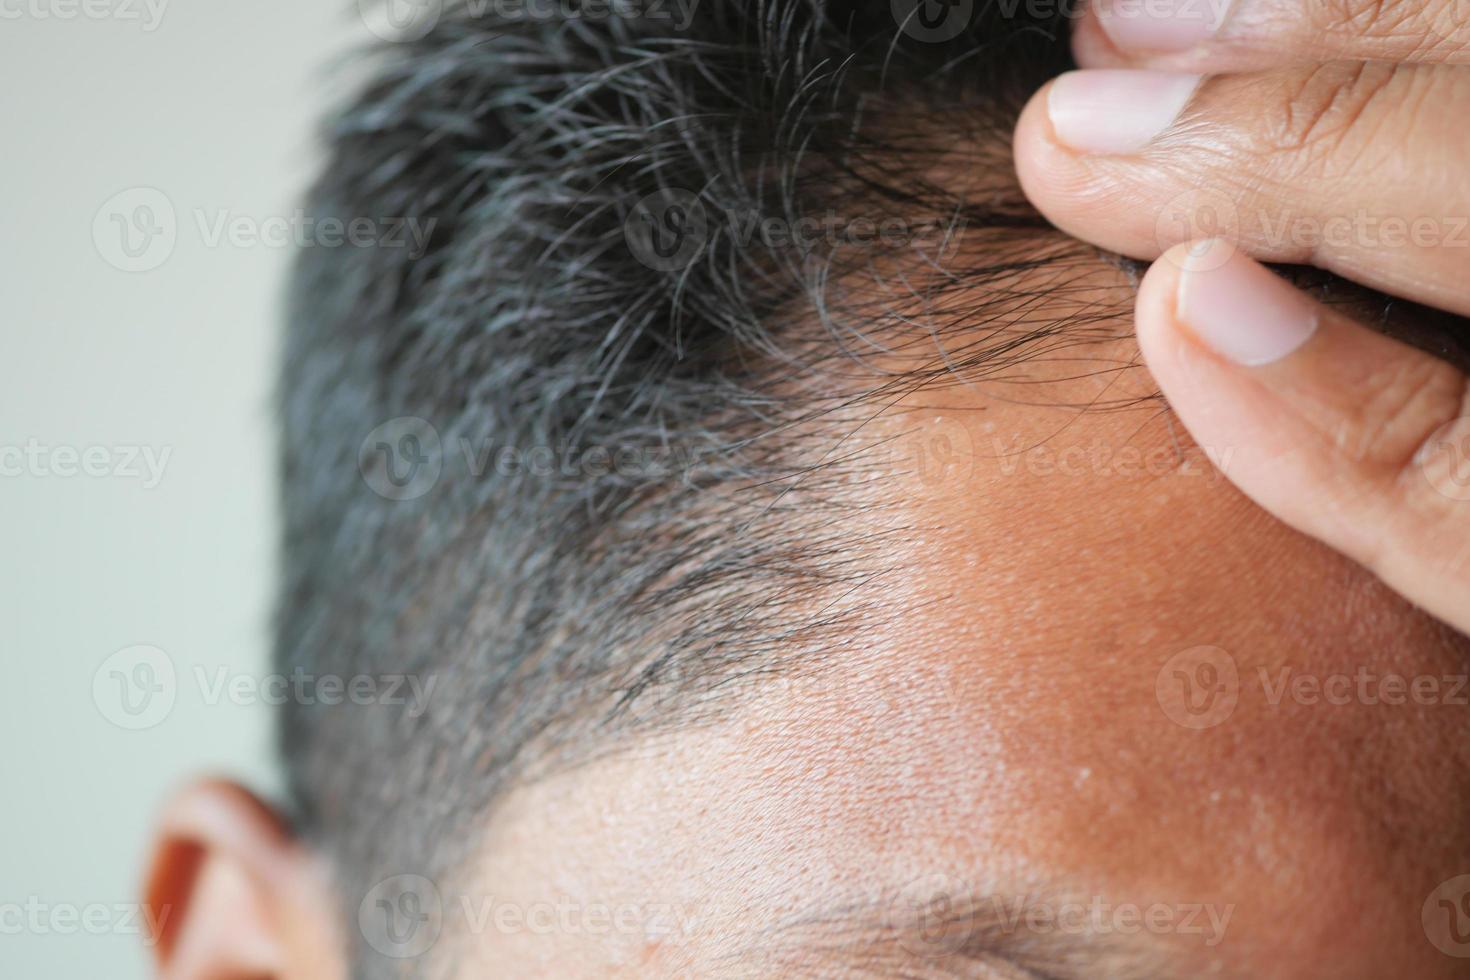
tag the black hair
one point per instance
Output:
(627, 486)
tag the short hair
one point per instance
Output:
(687, 533)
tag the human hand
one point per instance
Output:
(1300, 149)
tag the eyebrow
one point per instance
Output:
(1022, 936)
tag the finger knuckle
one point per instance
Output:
(1366, 18)
(1408, 404)
(1438, 472)
(1329, 114)
(1428, 29)
(1421, 406)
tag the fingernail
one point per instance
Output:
(1114, 111)
(1163, 26)
(1239, 308)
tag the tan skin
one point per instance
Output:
(1020, 733)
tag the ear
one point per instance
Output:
(232, 895)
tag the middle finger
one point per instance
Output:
(1355, 168)
(1247, 35)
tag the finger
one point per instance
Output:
(1248, 35)
(1352, 168)
(1346, 435)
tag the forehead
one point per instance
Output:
(1112, 714)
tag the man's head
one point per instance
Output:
(788, 568)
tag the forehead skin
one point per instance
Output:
(1015, 732)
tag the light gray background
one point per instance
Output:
(213, 106)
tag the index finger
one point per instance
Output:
(1247, 35)
(1355, 439)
